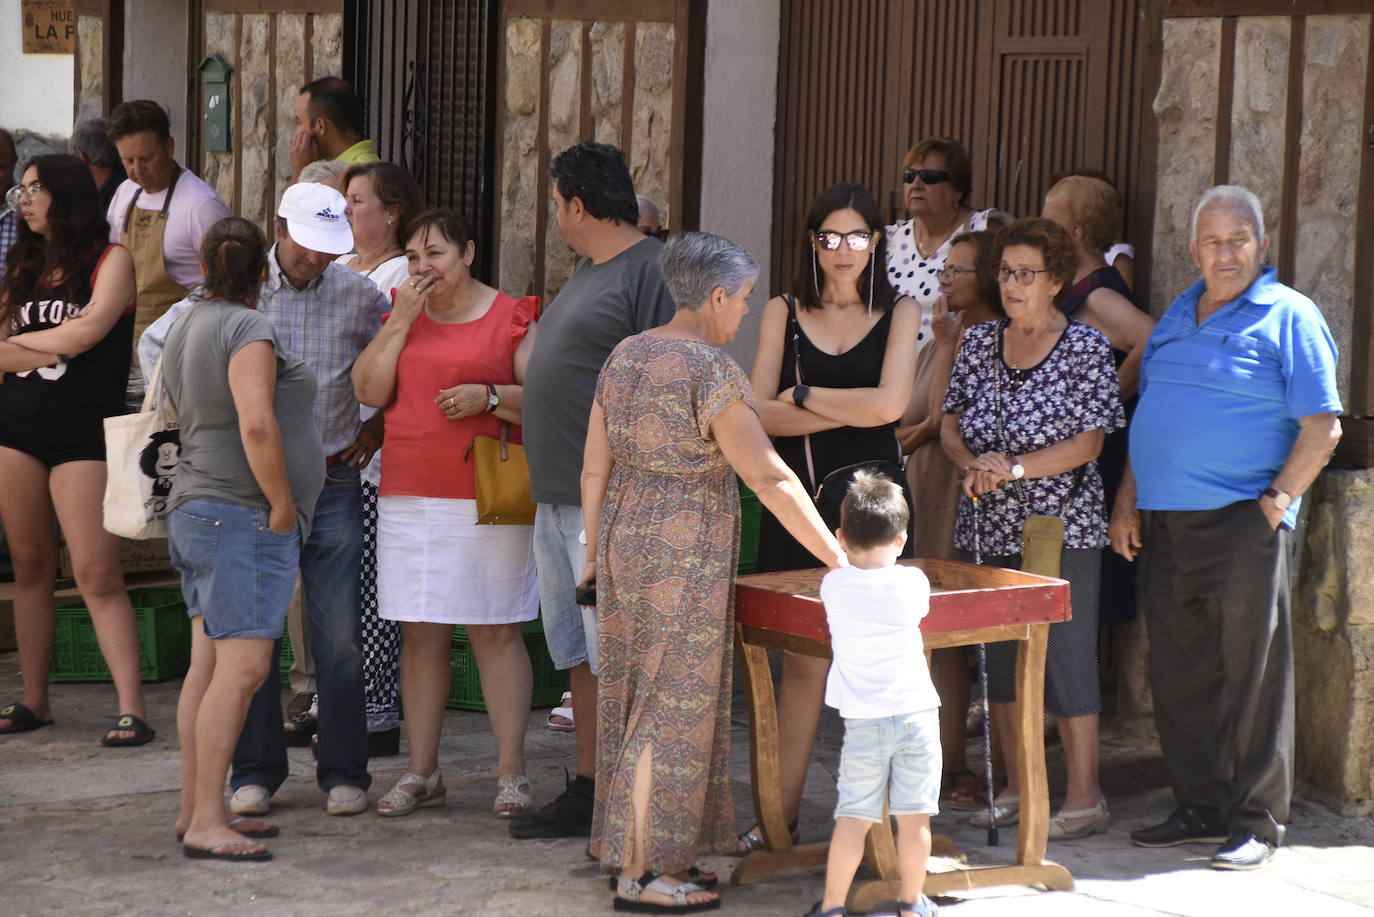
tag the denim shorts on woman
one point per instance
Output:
(235, 571)
(894, 755)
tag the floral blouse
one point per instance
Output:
(1073, 390)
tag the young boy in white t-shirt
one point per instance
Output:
(880, 684)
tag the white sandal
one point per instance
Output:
(398, 802)
(512, 790)
(565, 711)
(1082, 823)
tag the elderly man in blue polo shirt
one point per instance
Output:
(1238, 414)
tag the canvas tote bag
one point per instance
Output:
(141, 455)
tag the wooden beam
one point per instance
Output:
(586, 130)
(595, 10)
(1149, 50)
(1181, 9)
(1356, 447)
(1292, 151)
(1362, 321)
(112, 55)
(274, 6)
(1226, 91)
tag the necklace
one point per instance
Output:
(928, 249)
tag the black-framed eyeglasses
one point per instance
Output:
(927, 176)
(829, 239)
(1024, 276)
(18, 192)
(947, 274)
(659, 234)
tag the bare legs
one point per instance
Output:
(800, 696)
(847, 850)
(1079, 736)
(210, 716)
(949, 671)
(640, 794)
(507, 681)
(426, 664)
(583, 685)
(29, 494)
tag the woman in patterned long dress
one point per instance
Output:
(674, 419)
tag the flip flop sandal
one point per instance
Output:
(256, 835)
(127, 722)
(751, 841)
(208, 853)
(817, 912)
(21, 720)
(632, 889)
(922, 907)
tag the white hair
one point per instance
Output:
(695, 263)
(1234, 194)
(646, 204)
(324, 171)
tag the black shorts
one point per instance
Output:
(50, 449)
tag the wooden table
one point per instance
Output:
(969, 605)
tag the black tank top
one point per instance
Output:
(70, 399)
(1105, 276)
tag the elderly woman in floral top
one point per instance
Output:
(1030, 399)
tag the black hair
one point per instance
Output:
(985, 263)
(333, 99)
(137, 116)
(147, 456)
(874, 511)
(598, 175)
(810, 280)
(77, 226)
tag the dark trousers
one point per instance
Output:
(1214, 593)
(330, 560)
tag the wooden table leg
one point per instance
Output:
(1032, 836)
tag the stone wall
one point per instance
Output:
(253, 175)
(90, 57)
(1333, 618)
(1333, 637)
(521, 249)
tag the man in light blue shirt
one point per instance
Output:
(325, 314)
(1238, 414)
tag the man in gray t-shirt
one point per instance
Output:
(615, 291)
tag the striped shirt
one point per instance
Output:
(9, 234)
(328, 324)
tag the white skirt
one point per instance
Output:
(436, 565)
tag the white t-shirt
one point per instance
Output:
(388, 275)
(875, 636)
(195, 208)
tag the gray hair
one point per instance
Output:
(1233, 194)
(92, 140)
(695, 263)
(646, 204)
(324, 171)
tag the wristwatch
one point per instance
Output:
(1281, 499)
(1018, 471)
(799, 395)
(493, 399)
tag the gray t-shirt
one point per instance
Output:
(195, 371)
(599, 306)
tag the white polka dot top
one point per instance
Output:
(914, 276)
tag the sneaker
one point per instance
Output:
(346, 800)
(1185, 826)
(569, 815)
(250, 800)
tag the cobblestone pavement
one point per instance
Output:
(88, 831)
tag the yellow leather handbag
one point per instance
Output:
(501, 477)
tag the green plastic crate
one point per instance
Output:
(287, 658)
(749, 512)
(164, 638)
(465, 688)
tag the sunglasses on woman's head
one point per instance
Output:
(927, 176)
(858, 240)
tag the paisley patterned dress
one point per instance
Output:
(666, 551)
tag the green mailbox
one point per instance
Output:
(214, 102)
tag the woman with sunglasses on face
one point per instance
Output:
(969, 296)
(832, 375)
(65, 342)
(937, 178)
(1030, 399)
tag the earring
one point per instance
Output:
(815, 275)
(388, 224)
(872, 262)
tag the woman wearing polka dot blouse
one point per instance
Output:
(937, 177)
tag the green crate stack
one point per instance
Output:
(287, 657)
(164, 638)
(749, 510)
(465, 689)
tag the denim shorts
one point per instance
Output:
(894, 755)
(559, 558)
(235, 572)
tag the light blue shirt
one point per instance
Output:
(1220, 402)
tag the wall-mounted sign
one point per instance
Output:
(49, 27)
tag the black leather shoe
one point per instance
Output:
(1244, 849)
(1185, 826)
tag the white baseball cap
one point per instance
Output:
(314, 215)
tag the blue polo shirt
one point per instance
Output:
(1220, 402)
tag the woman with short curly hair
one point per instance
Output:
(1030, 399)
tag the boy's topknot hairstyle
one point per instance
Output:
(874, 511)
